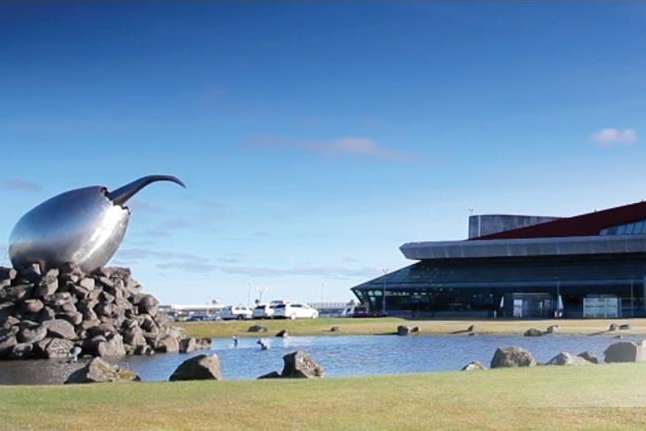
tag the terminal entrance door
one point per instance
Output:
(530, 305)
(518, 308)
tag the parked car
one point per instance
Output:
(236, 312)
(360, 311)
(263, 311)
(295, 310)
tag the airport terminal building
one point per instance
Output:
(587, 266)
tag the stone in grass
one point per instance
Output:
(512, 356)
(474, 366)
(566, 358)
(100, 371)
(626, 351)
(200, 367)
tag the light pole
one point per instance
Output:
(383, 296)
(260, 291)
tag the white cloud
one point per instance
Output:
(612, 136)
(315, 271)
(345, 145)
(20, 184)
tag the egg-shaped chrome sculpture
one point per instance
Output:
(83, 226)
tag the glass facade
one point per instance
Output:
(522, 287)
(634, 228)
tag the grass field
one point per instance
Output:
(592, 397)
(389, 325)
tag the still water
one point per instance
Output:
(339, 355)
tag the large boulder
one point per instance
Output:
(300, 364)
(533, 332)
(512, 356)
(31, 332)
(257, 328)
(407, 330)
(54, 348)
(167, 344)
(626, 351)
(566, 358)
(60, 328)
(99, 371)
(200, 367)
(188, 345)
(148, 304)
(110, 345)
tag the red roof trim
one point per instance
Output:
(582, 225)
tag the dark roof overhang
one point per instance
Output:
(523, 247)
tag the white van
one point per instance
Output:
(263, 311)
(295, 310)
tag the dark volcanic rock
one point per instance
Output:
(474, 366)
(100, 371)
(566, 358)
(626, 351)
(512, 356)
(300, 364)
(297, 364)
(200, 367)
(105, 311)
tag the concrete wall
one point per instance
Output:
(486, 224)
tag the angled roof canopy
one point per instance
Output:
(589, 224)
(598, 232)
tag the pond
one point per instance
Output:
(339, 355)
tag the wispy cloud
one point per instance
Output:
(191, 267)
(317, 271)
(168, 227)
(168, 259)
(142, 253)
(19, 184)
(347, 145)
(611, 136)
(145, 207)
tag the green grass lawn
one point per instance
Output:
(591, 397)
(389, 325)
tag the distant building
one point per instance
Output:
(590, 265)
(181, 312)
(329, 309)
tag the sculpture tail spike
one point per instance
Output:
(121, 195)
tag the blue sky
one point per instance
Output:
(317, 138)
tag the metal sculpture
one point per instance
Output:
(83, 227)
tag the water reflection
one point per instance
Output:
(339, 355)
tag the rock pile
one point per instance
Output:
(44, 315)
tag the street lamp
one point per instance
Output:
(260, 291)
(383, 296)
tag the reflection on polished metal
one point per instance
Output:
(83, 226)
